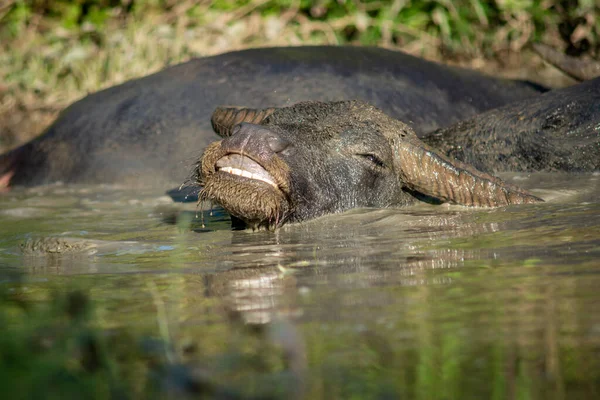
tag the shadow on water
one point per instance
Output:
(423, 302)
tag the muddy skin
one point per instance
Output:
(315, 158)
(148, 131)
(557, 131)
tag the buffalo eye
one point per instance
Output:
(373, 159)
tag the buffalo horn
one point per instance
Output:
(427, 172)
(225, 118)
(574, 67)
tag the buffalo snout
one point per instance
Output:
(254, 140)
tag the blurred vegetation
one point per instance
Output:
(51, 350)
(55, 347)
(53, 52)
(468, 27)
(60, 343)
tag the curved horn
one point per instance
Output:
(574, 67)
(425, 171)
(225, 118)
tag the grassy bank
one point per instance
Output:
(53, 53)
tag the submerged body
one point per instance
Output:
(293, 164)
(556, 131)
(148, 130)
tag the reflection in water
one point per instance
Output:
(252, 293)
(432, 302)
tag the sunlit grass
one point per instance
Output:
(52, 53)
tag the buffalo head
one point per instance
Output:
(296, 163)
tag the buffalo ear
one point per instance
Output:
(428, 172)
(576, 68)
(225, 118)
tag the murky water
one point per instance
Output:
(423, 302)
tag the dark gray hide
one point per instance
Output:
(147, 130)
(296, 163)
(557, 131)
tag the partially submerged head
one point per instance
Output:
(296, 163)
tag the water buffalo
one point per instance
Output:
(292, 164)
(146, 131)
(556, 131)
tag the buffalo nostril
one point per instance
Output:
(277, 144)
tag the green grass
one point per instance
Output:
(52, 53)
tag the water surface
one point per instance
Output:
(422, 302)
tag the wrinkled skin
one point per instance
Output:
(147, 131)
(557, 131)
(297, 163)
